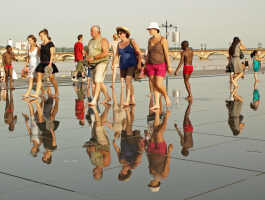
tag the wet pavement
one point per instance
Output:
(122, 155)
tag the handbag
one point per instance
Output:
(229, 67)
(241, 55)
(139, 74)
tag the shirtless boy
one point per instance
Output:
(186, 59)
(7, 59)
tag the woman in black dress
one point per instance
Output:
(47, 56)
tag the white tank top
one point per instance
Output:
(33, 57)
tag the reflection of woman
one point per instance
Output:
(186, 140)
(256, 98)
(98, 147)
(48, 127)
(158, 153)
(9, 116)
(234, 116)
(131, 147)
(32, 127)
(234, 54)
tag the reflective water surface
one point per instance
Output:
(59, 148)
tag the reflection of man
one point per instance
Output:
(98, 57)
(98, 147)
(235, 118)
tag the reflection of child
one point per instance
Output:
(256, 98)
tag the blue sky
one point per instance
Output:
(214, 22)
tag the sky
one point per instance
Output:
(214, 22)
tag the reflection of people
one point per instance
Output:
(32, 128)
(98, 147)
(80, 90)
(9, 116)
(131, 147)
(235, 118)
(48, 127)
(119, 114)
(256, 98)
(158, 153)
(186, 140)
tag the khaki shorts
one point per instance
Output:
(98, 74)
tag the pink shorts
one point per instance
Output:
(156, 69)
(188, 70)
(157, 148)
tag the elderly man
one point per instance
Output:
(98, 58)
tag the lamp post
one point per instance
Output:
(167, 27)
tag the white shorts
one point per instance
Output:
(32, 71)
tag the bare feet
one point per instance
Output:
(168, 102)
(133, 102)
(34, 96)
(25, 95)
(189, 98)
(92, 103)
(106, 101)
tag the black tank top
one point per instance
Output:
(45, 53)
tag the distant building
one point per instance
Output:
(10, 42)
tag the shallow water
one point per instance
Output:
(219, 165)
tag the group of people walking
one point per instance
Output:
(92, 64)
(127, 56)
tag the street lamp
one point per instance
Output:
(167, 27)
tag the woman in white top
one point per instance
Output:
(114, 46)
(32, 61)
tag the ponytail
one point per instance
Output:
(46, 32)
(253, 54)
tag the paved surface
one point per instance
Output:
(219, 165)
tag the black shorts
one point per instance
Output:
(41, 67)
(127, 72)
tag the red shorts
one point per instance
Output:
(187, 70)
(156, 69)
(188, 128)
(8, 67)
(157, 148)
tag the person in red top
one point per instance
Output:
(79, 54)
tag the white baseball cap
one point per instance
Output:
(153, 25)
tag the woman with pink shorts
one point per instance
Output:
(157, 64)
